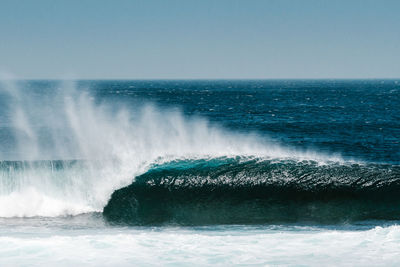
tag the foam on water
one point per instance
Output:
(116, 144)
(201, 247)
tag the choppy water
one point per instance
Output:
(200, 172)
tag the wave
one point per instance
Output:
(253, 191)
(42, 129)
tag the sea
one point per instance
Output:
(200, 172)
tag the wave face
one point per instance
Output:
(252, 191)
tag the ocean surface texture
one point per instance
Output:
(219, 172)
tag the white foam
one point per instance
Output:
(29, 202)
(117, 144)
(185, 247)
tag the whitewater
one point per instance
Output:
(220, 246)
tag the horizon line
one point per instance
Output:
(190, 79)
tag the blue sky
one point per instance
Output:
(200, 39)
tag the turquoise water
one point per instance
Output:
(279, 172)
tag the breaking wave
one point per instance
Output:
(236, 191)
(64, 152)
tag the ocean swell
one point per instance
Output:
(242, 190)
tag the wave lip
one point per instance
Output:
(253, 191)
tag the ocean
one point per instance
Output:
(199, 172)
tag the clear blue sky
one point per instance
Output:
(200, 39)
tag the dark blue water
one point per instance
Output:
(359, 119)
